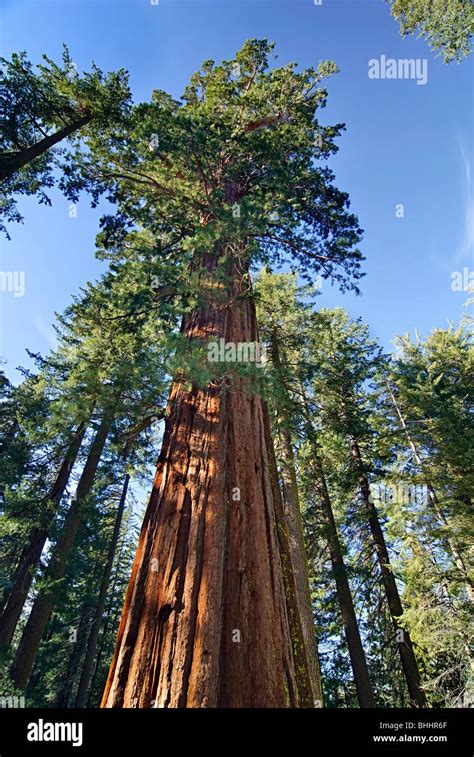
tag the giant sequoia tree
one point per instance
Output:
(223, 607)
(225, 178)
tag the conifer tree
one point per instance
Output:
(212, 172)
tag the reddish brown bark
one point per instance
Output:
(205, 622)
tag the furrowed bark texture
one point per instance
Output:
(308, 696)
(205, 622)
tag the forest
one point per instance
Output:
(214, 491)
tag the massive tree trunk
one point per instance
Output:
(91, 648)
(363, 685)
(205, 622)
(31, 554)
(9, 164)
(44, 603)
(405, 646)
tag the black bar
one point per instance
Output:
(316, 732)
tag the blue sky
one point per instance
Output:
(405, 144)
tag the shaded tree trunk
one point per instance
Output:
(307, 695)
(31, 554)
(294, 522)
(45, 600)
(205, 622)
(405, 646)
(9, 164)
(112, 617)
(91, 648)
(360, 669)
(297, 548)
(64, 696)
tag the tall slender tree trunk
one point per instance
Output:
(64, 695)
(299, 561)
(205, 622)
(405, 646)
(9, 164)
(307, 695)
(91, 647)
(112, 617)
(456, 552)
(360, 669)
(31, 554)
(44, 603)
(294, 523)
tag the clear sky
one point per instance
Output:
(405, 143)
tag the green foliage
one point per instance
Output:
(447, 25)
(237, 165)
(228, 180)
(36, 103)
(333, 380)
